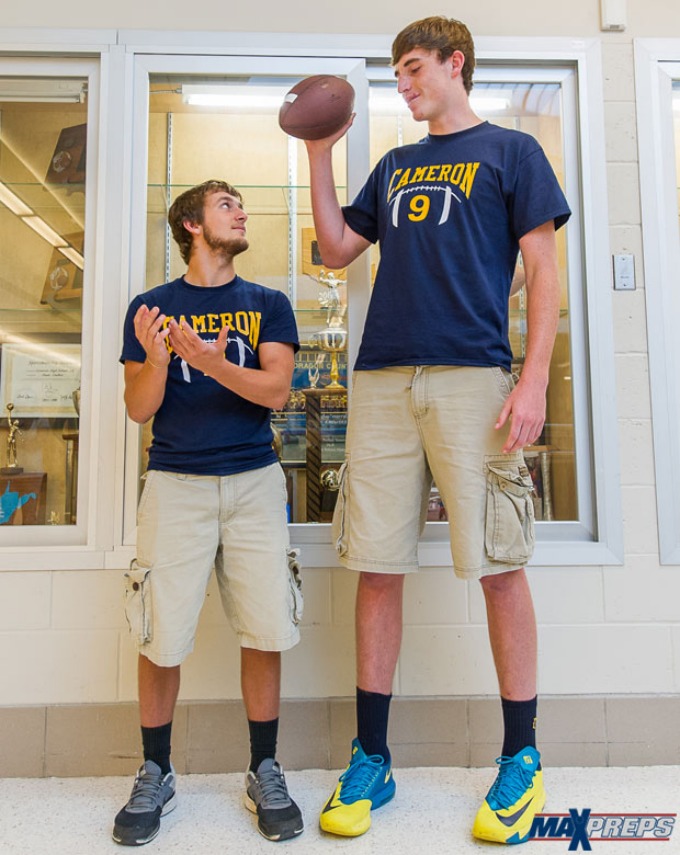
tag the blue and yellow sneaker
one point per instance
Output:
(513, 801)
(367, 783)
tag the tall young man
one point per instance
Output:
(434, 396)
(206, 357)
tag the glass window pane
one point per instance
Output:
(43, 130)
(535, 108)
(226, 127)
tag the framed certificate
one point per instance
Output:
(40, 379)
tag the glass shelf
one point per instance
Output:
(258, 199)
(61, 318)
(44, 197)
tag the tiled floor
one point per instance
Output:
(431, 814)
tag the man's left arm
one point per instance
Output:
(525, 406)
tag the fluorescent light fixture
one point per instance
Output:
(46, 232)
(386, 102)
(39, 226)
(236, 96)
(73, 255)
(251, 102)
(13, 202)
(480, 104)
(39, 90)
(391, 103)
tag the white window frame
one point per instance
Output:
(357, 148)
(657, 66)
(109, 474)
(78, 53)
(598, 539)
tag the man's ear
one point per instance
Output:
(457, 61)
(192, 228)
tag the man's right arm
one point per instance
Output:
(144, 389)
(145, 381)
(338, 243)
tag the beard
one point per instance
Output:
(225, 246)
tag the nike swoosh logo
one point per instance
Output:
(388, 776)
(512, 819)
(332, 804)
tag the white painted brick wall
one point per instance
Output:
(63, 637)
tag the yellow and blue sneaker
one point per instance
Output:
(513, 801)
(367, 783)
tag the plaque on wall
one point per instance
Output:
(67, 165)
(64, 279)
(312, 263)
(39, 379)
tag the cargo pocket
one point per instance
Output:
(509, 509)
(138, 602)
(340, 513)
(295, 580)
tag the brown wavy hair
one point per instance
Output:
(443, 35)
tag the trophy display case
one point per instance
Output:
(42, 216)
(190, 143)
(535, 109)
(239, 141)
(313, 423)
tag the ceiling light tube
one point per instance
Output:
(42, 90)
(73, 255)
(480, 104)
(238, 96)
(13, 202)
(40, 227)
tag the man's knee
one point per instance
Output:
(498, 584)
(381, 582)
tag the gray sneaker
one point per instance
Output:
(278, 817)
(153, 795)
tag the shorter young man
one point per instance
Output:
(206, 357)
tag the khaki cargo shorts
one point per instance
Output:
(408, 425)
(188, 524)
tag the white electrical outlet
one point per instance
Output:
(624, 272)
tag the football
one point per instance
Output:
(317, 107)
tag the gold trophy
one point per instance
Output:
(12, 467)
(333, 340)
(329, 296)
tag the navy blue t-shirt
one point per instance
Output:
(449, 212)
(202, 428)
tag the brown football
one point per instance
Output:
(317, 107)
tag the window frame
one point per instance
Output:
(657, 66)
(108, 472)
(84, 544)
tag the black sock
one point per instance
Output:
(519, 720)
(263, 736)
(373, 711)
(156, 742)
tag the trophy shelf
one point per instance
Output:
(259, 199)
